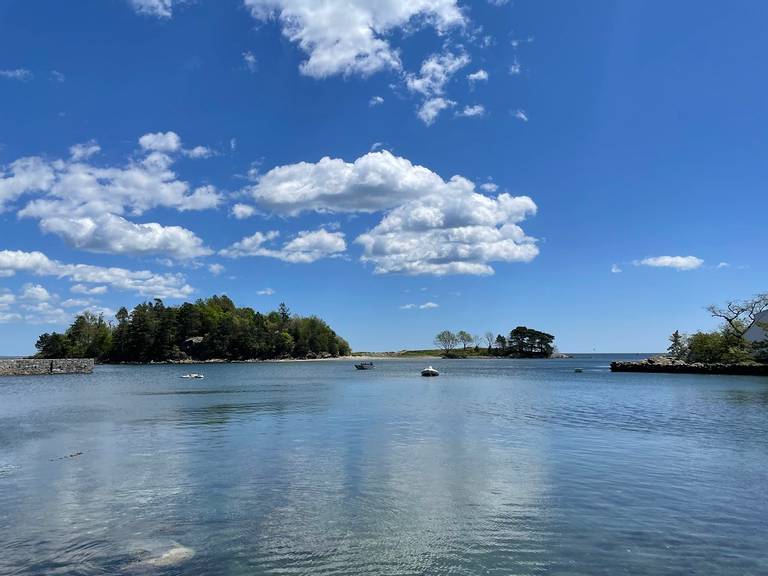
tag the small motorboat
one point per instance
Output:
(578, 370)
(193, 375)
(429, 371)
(364, 366)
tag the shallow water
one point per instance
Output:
(495, 467)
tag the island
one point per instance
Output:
(211, 329)
(738, 347)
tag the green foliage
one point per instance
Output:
(206, 329)
(529, 343)
(465, 338)
(678, 347)
(446, 341)
(725, 346)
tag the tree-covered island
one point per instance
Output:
(213, 328)
(522, 342)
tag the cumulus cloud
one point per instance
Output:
(431, 109)
(489, 187)
(615, 269)
(242, 211)
(35, 292)
(479, 76)
(676, 262)
(432, 226)
(515, 69)
(429, 306)
(376, 181)
(141, 282)
(266, 292)
(375, 101)
(351, 36)
(472, 111)
(112, 234)
(455, 233)
(157, 8)
(161, 142)
(436, 71)
(407, 306)
(199, 152)
(85, 204)
(83, 289)
(304, 248)
(84, 151)
(21, 74)
(215, 269)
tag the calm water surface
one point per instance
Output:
(495, 467)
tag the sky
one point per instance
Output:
(593, 169)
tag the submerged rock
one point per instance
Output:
(172, 556)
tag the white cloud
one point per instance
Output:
(305, 247)
(498, 2)
(615, 269)
(489, 187)
(139, 281)
(251, 63)
(266, 292)
(351, 36)
(431, 109)
(35, 292)
(85, 204)
(44, 313)
(459, 232)
(479, 76)
(428, 306)
(242, 211)
(521, 115)
(198, 152)
(472, 111)
(115, 235)
(435, 73)
(515, 69)
(158, 8)
(84, 151)
(676, 262)
(21, 74)
(75, 303)
(83, 289)
(376, 181)
(375, 101)
(57, 76)
(161, 142)
(407, 306)
(9, 317)
(6, 300)
(376, 146)
(215, 269)
(433, 227)
(722, 265)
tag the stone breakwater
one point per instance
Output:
(37, 367)
(669, 366)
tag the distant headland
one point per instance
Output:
(738, 347)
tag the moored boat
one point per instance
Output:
(364, 366)
(193, 375)
(429, 371)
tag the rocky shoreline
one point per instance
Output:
(665, 365)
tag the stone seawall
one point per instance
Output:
(682, 368)
(37, 367)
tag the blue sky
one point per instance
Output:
(592, 169)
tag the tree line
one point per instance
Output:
(212, 328)
(522, 342)
(727, 344)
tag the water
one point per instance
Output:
(495, 467)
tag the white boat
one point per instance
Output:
(429, 371)
(193, 375)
